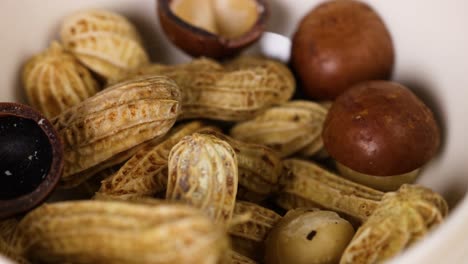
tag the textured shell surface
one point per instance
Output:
(55, 80)
(120, 232)
(115, 120)
(248, 237)
(105, 42)
(113, 162)
(402, 218)
(316, 186)
(216, 91)
(259, 167)
(237, 258)
(257, 227)
(145, 174)
(203, 173)
(289, 128)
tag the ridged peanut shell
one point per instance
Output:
(196, 65)
(55, 80)
(259, 167)
(105, 42)
(213, 91)
(119, 232)
(115, 120)
(237, 258)
(288, 128)
(8, 246)
(114, 161)
(315, 186)
(203, 173)
(248, 237)
(145, 174)
(403, 217)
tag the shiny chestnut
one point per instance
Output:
(338, 44)
(381, 128)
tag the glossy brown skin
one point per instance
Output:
(198, 42)
(28, 201)
(380, 128)
(338, 44)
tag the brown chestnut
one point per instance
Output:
(215, 29)
(380, 128)
(31, 158)
(338, 44)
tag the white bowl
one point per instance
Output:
(432, 58)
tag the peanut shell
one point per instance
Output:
(213, 91)
(316, 187)
(403, 217)
(54, 80)
(289, 128)
(203, 173)
(115, 120)
(105, 42)
(145, 174)
(259, 167)
(119, 232)
(247, 238)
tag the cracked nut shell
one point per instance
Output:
(216, 29)
(31, 158)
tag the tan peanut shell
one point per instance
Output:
(105, 42)
(215, 92)
(252, 62)
(402, 218)
(259, 167)
(119, 232)
(8, 245)
(247, 238)
(145, 174)
(114, 161)
(55, 80)
(314, 186)
(292, 127)
(115, 120)
(11, 253)
(202, 171)
(237, 258)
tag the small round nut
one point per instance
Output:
(380, 128)
(308, 236)
(339, 44)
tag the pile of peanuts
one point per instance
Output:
(202, 162)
